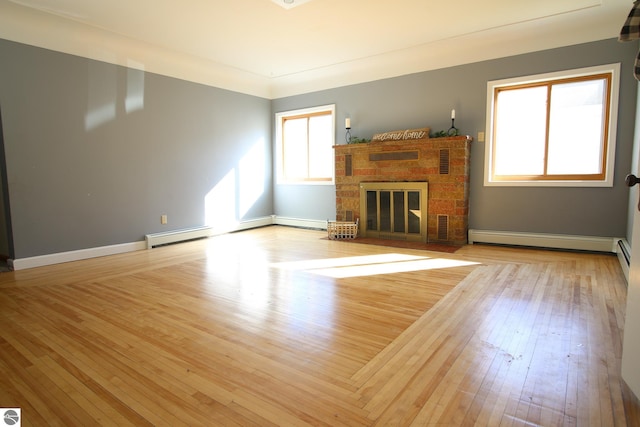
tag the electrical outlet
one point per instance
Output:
(480, 136)
(163, 219)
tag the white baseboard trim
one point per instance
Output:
(255, 223)
(555, 241)
(243, 225)
(78, 255)
(59, 258)
(298, 222)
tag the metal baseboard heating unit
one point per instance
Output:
(624, 256)
(557, 241)
(176, 236)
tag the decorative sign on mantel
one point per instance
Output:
(402, 135)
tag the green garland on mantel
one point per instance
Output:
(444, 133)
(356, 140)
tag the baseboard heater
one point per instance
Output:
(177, 236)
(557, 241)
(624, 256)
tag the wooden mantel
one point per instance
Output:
(442, 162)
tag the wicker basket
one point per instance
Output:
(339, 230)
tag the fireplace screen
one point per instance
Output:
(394, 210)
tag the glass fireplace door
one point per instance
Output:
(394, 210)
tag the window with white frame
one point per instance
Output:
(555, 129)
(305, 140)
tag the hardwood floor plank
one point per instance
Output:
(281, 326)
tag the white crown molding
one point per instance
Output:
(40, 29)
(46, 30)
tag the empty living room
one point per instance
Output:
(319, 213)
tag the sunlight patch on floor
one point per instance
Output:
(370, 265)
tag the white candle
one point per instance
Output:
(347, 123)
(453, 114)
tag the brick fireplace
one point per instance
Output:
(443, 163)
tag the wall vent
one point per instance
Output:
(443, 227)
(444, 161)
(348, 165)
(348, 215)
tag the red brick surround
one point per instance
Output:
(442, 162)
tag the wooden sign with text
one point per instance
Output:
(402, 135)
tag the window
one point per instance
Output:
(554, 129)
(305, 140)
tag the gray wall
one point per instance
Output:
(95, 153)
(426, 99)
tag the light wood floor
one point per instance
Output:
(280, 326)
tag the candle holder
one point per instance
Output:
(453, 130)
(347, 126)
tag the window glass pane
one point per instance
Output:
(320, 149)
(576, 127)
(385, 211)
(520, 131)
(398, 211)
(372, 210)
(295, 148)
(414, 211)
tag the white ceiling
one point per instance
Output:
(269, 49)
